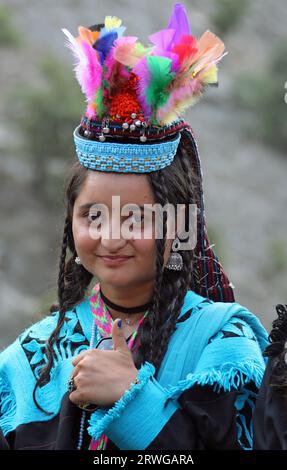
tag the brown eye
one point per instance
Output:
(93, 216)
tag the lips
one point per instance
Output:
(114, 260)
(114, 257)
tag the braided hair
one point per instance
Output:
(277, 350)
(178, 183)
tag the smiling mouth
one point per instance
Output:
(115, 259)
(114, 256)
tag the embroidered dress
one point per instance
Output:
(202, 398)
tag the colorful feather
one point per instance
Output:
(179, 22)
(160, 78)
(210, 50)
(128, 51)
(117, 73)
(103, 45)
(87, 35)
(87, 67)
(112, 24)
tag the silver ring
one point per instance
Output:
(71, 385)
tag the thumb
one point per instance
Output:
(119, 340)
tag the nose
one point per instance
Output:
(111, 238)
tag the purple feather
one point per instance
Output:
(179, 22)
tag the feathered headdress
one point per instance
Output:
(139, 91)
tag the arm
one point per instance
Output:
(201, 418)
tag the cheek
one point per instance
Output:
(146, 249)
(83, 240)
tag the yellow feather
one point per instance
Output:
(112, 22)
(208, 75)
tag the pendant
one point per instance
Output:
(128, 321)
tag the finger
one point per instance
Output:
(78, 358)
(76, 397)
(119, 340)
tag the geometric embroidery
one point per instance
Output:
(71, 342)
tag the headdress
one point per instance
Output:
(139, 92)
(135, 97)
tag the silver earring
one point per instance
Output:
(77, 260)
(175, 261)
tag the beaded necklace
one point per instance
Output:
(102, 327)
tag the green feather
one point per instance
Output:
(161, 76)
(100, 109)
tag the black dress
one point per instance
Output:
(205, 419)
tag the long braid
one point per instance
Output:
(73, 281)
(175, 286)
(45, 372)
(170, 287)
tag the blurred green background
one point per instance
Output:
(241, 129)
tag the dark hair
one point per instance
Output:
(178, 183)
(277, 350)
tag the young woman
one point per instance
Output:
(158, 355)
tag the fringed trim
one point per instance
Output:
(7, 407)
(227, 377)
(101, 419)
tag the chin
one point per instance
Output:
(117, 278)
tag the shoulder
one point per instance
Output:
(31, 342)
(223, 319)
(29, 339)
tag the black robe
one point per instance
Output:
(207, 420)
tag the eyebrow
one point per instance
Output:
(88, 205)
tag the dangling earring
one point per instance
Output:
(175, 261)
(77, 260)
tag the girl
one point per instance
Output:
(158, 355)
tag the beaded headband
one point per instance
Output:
(139, 92)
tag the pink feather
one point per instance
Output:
(87, 68)
(126, 52)
(142, 71)
(179, 100)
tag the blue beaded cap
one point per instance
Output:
(123, 157)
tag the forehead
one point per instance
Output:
(100, 186)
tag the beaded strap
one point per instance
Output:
(104, 322)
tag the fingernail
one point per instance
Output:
(120, 323)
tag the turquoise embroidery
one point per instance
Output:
(70, 343)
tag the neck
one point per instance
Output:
(128, 298)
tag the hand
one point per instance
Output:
(103, 376)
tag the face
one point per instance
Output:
(122, 260)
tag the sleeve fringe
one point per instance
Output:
(227, 378)
(101, 419)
